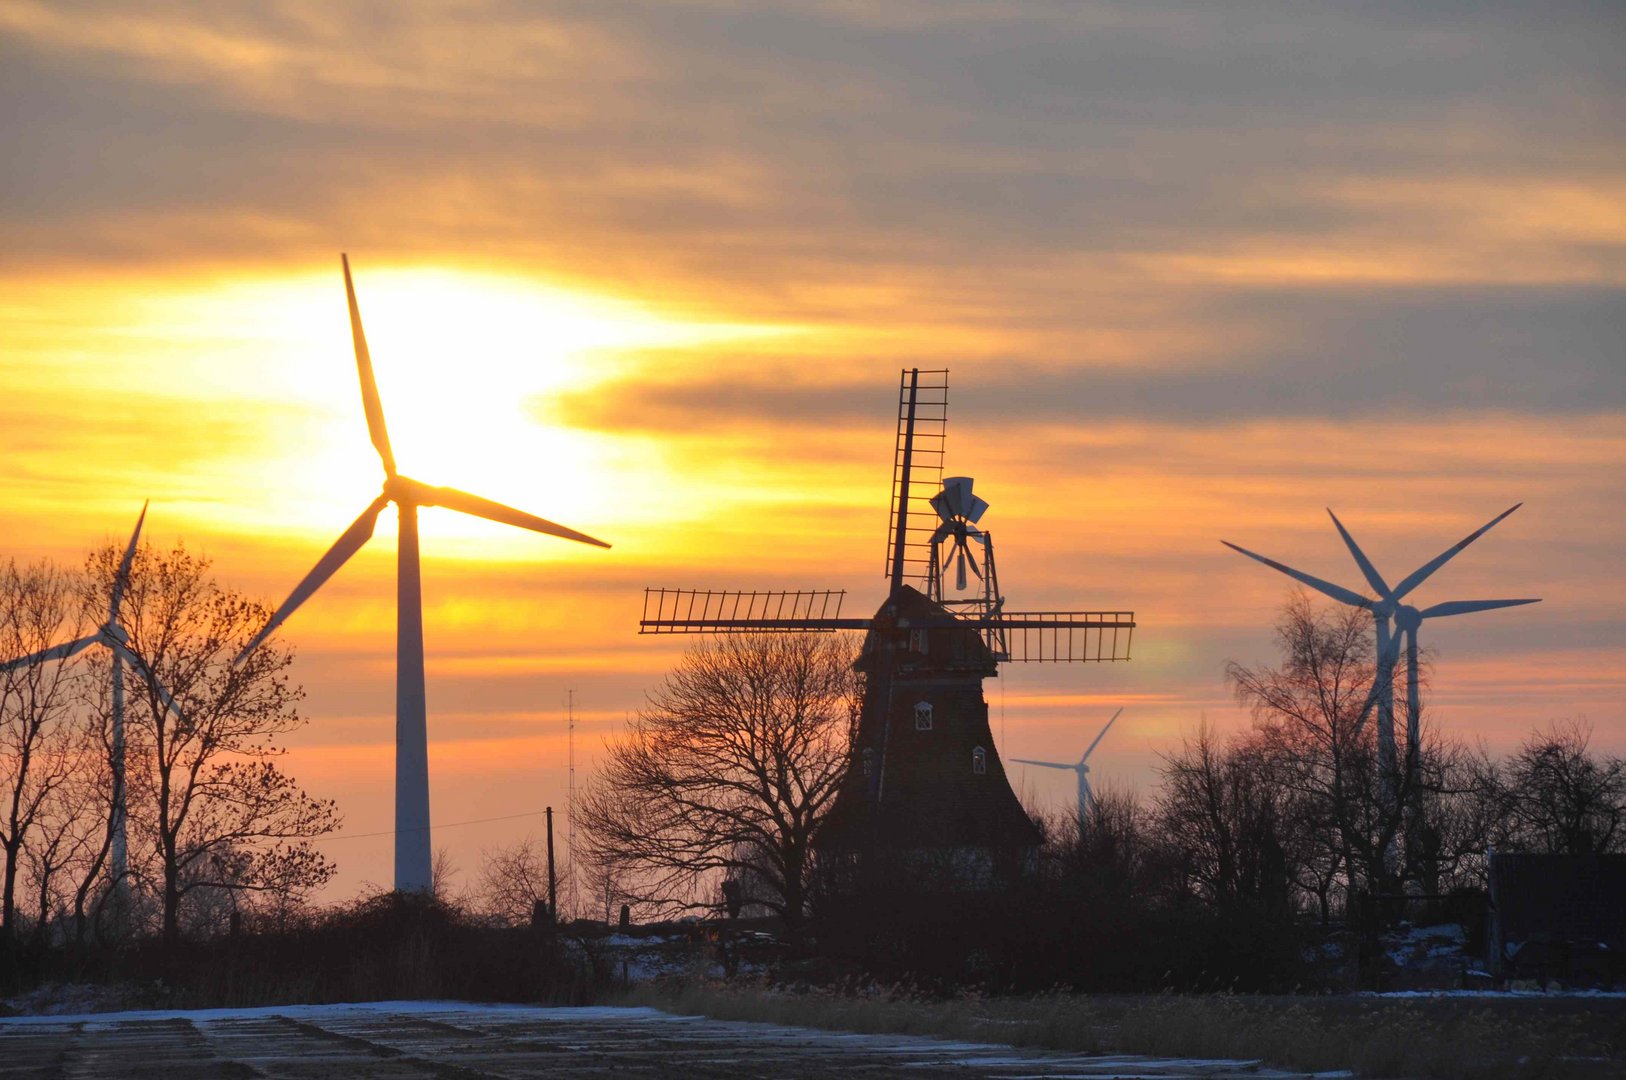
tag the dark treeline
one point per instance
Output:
(1252, 848)
(1257, 846)
(216, 832)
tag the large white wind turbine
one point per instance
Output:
(1086, 798)
(1388, 606)
(412, 864)
(111, 636)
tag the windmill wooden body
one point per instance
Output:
(925, 794)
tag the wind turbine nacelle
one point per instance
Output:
(405, 490)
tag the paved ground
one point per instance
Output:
(412, 1040)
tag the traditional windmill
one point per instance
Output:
(925, 788)
(1086, 797)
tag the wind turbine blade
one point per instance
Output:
(1418, 576)
(1046, 764)
(123, 576)
(453, 499)
(1101, 736)
(1373, 578)
(979, 507)
(369, 386)
(350, 542)
(1337, 592)
(1464, 607)
(55, 652)
(147, 674)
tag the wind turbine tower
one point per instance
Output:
(1086, 798)
(412, 860)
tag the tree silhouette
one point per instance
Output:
(727, 773)
(207, 797)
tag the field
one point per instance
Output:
(1450, 1037)
(411, 1040)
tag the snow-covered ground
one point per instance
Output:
(1524, 994)
(446, 1038)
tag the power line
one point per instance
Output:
(442, 825)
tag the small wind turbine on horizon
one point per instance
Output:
(412, 861)
(1388, 606)
(1086, 798)
(112, 636)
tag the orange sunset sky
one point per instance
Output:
(1198, 271)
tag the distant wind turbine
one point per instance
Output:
(1086, 798)
(1406, 619)
(412, 862)
(111, 635)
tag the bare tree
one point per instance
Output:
(511, 882)
(1310, 735)
(1556, 796)
(89, 799)
(442, 876)
(38, 609)
(729, 770)
(1110, 854)
(605, 892)
(214, 809)
(64, 859)
(1221, 815)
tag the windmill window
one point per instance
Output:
(923, 716)
(869, 760)
(979, 761)
(917, 641)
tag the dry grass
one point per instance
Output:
(1445, 1038)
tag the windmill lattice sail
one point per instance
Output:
(720, 611)
(1016, 636)
(917, 471)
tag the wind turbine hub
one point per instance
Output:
(403, 490)
(1408, 618)
(115, 632)
(397, 489)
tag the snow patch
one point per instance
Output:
(353, 1009)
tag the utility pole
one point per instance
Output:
(553, 896)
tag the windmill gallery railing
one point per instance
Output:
(1020, 636)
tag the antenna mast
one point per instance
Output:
(570, 807)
